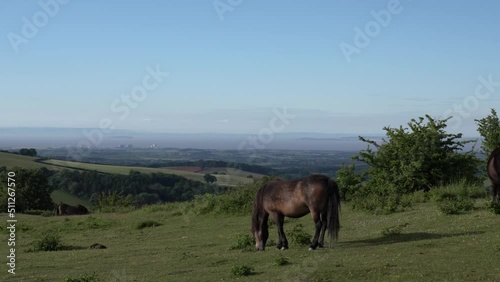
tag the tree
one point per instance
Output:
(418, 158)
(348, 181)
(489, 129)
(32, 190)
(28, 152)
(210, 178)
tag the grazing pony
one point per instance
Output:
(65, 209)
(493, 169)
(315, 194)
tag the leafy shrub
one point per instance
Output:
(393, 230)
(146, 224)
(49, 242)
(280, 261)
(83, 278)
(298, 236)
(244, 242)
(495, 207)
(242, 270)
(457, 197)
(414, 158)
(348, 181)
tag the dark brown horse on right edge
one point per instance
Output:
(315, 194)
(493, 169)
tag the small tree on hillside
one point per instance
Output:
(210, 178)
(417, 157)
(32, 190)
(489, 129)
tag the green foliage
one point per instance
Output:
(457, 198)
(234, 202)
(412, 159)
(32, 190)
(50, 241)
(495, 207)
(489, 129)
(209, 178)
(146, 224)
(349, 181)
(113, 199)
(393, 230)
(281, 261)
(83, 278)
(28, 152)
(244, 242)
(298, 236)
(242, 270)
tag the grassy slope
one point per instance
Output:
(433, 247)
(13, 160)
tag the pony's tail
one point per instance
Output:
(333, 218)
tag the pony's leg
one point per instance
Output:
(281, 232)
(275, 217)
(323, 230)
(318, 224)
(280, 220)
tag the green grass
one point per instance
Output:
(13, 160)
(189, 247)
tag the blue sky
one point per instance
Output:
(229, 74)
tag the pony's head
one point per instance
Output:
(259, 222)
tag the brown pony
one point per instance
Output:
(493, 169)
(65, 209)
(315, 194)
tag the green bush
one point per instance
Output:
(49, 242)
(414, 158)
(495, 207)
(281, 261)
(244, 242)
(146, 224)
(348, 181)
(242, 270)
(457, 197)
(298, 236)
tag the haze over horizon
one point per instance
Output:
(260, 65)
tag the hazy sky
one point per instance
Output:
(232, 67)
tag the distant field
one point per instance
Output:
(188, 247)
(226, 180)
(12, 160)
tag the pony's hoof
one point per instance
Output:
(282, 249)
(311, 249)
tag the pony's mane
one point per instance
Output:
(256, 210)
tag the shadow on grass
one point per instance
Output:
(73, 248)
(406, 237)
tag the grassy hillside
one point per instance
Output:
(13, 160)
(431, 247)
